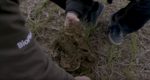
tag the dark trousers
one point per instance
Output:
(62, 3)
(134, 15)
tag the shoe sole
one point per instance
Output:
(112, 41)
(109, 37)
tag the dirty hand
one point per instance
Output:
(82, 78)
(71, 19)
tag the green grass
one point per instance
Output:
(40, 7)
(130, 70)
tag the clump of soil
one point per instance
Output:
(74, 51)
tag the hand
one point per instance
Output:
(82, 78)
(71, 19)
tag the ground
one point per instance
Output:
(86, 50)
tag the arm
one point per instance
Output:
(20, 56)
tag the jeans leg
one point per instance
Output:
(134, 16)
(60, 3)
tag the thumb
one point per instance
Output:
(82, 78)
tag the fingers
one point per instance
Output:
(71, 19)
(82, 78)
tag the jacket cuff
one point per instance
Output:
(75, 6)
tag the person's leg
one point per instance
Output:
(94, 13)
(128, 20)
(135, 15)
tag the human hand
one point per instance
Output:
(71, 19)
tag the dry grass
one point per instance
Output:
(84, 50)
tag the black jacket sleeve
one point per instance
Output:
(79, 6)
(20, 56)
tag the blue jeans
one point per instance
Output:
(134, 15)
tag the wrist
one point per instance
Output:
(73, 12)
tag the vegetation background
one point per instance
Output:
(84, 49)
